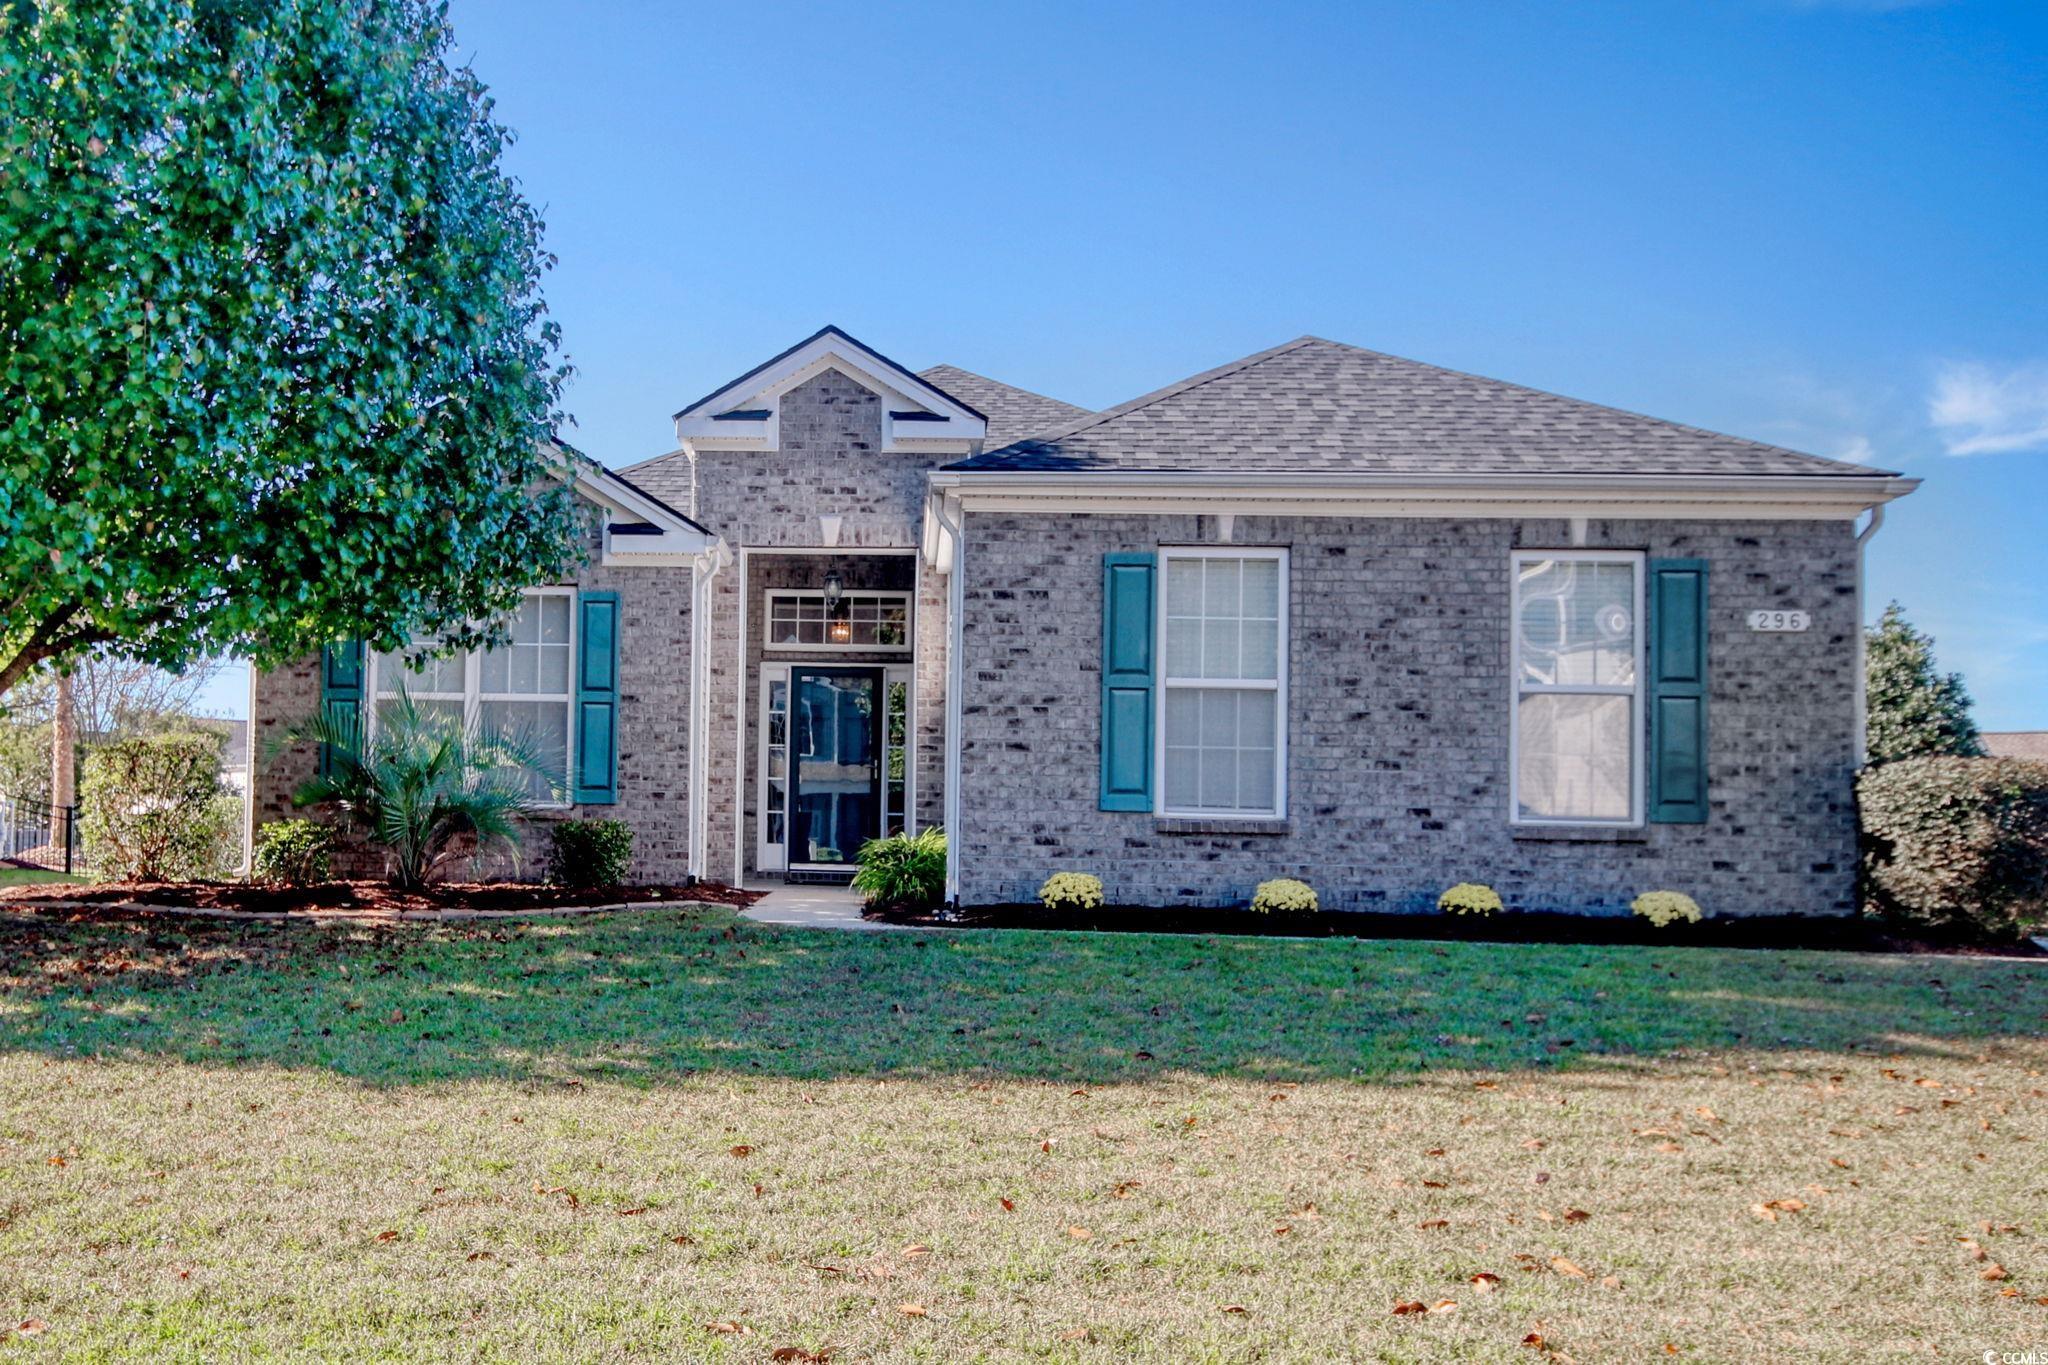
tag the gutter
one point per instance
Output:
(1863, 538)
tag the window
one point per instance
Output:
(1577, 718)
(521, 688)
(1223, 702)
(862, 620)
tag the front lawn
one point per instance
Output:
(676, 1135)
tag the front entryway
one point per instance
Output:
(834, 763)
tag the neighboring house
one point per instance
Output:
(2017, 744)
(1320, 612)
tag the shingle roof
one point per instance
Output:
(1316, 406)
(2016, 743)
(1012, 413)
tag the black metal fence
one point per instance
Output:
(38, 834)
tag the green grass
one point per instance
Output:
(31, 876)
(588, 1139)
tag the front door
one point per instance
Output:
(836, 744)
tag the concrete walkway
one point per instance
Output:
(813, 907)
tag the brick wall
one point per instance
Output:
(1398, 721)
(654, 708)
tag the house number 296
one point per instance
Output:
(1779, 620)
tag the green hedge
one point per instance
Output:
(153, 809)
(590, 853)
(1957, 843)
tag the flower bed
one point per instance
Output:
(367, 897)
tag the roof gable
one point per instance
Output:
(745, 414)
(1012, 413)
(1313, 406)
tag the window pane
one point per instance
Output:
(1219, 588)
(1220, 749)
(543, 727)
(1261, 587)
(1575, 757)
(1261, 646)
(1219, 649)
(1577, 622)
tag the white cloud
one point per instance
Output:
(1982, 410)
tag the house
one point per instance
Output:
(1320, 612)
(2028, 744)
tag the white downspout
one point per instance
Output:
(1863, 643)
(739, 737)
(956, 597)
(706, 568)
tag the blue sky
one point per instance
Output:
(1818, 224)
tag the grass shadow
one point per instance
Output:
(652, 998)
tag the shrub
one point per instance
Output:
(1071, 891)
(1664, 908)
(593, 853)
(1470, 898)
(422, 788)
(903, 871)
(1957, 843)
(293, 853)
(1284, 896)
(153, 809)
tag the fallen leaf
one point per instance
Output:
(1971, 1249)
(798, 1353)
(1045, 1146)
(629, 1213)
(729, 1328)
(397, 1017)
(1576, 1215)
(1078, 1233)
(1534, 1145)
(1610, 1281)
(1485, 1281)
(1428, 1223)
(1535, 1342)
(912, 1310)
(1669, 1147)
(1434, 1151)
(1008, 1206)
(1565, 1267)
(1410, 1306)
(31, 1327)
(1994, 1272)
(915, 1250)
(683, 1239)
(743, 1150)
(481, 1256)
(1434, 1185)
(1282, 1230)
(1444, 1306)
(541, 1189)
(1234, 1308)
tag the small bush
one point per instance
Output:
(590, 853)
(1071, 891)
(293, 853)
(1284, 896)
(1470, 898)
(1957, 843)
(903, 871)
(1665, 908)
(153, 809)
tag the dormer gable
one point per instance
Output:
(745, 414)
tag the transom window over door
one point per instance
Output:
(859, 620)
(1223, 699)
(522, 688)
(1577, 718)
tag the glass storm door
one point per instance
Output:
(836, 745)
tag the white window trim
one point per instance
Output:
(1278, 684)
(1516, 691)
(827, 647)
(770, 857)
(473, 696)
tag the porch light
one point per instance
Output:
(838, 626)
(834, 589)
(840, 631)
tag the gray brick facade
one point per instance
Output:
(1398, 721)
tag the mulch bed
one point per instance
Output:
(1835, 933)
(365, 898)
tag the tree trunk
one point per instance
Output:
(63, 765)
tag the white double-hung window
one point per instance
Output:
(1222, 747)
(522, 688)
(1577, 720)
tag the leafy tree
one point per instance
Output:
(1914, 711)
(274, 365)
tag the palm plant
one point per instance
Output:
(424, 788)
(903, 871)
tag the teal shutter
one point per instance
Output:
(596, 758)
(1678, 691)
(1127, 669)
(341, 693)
